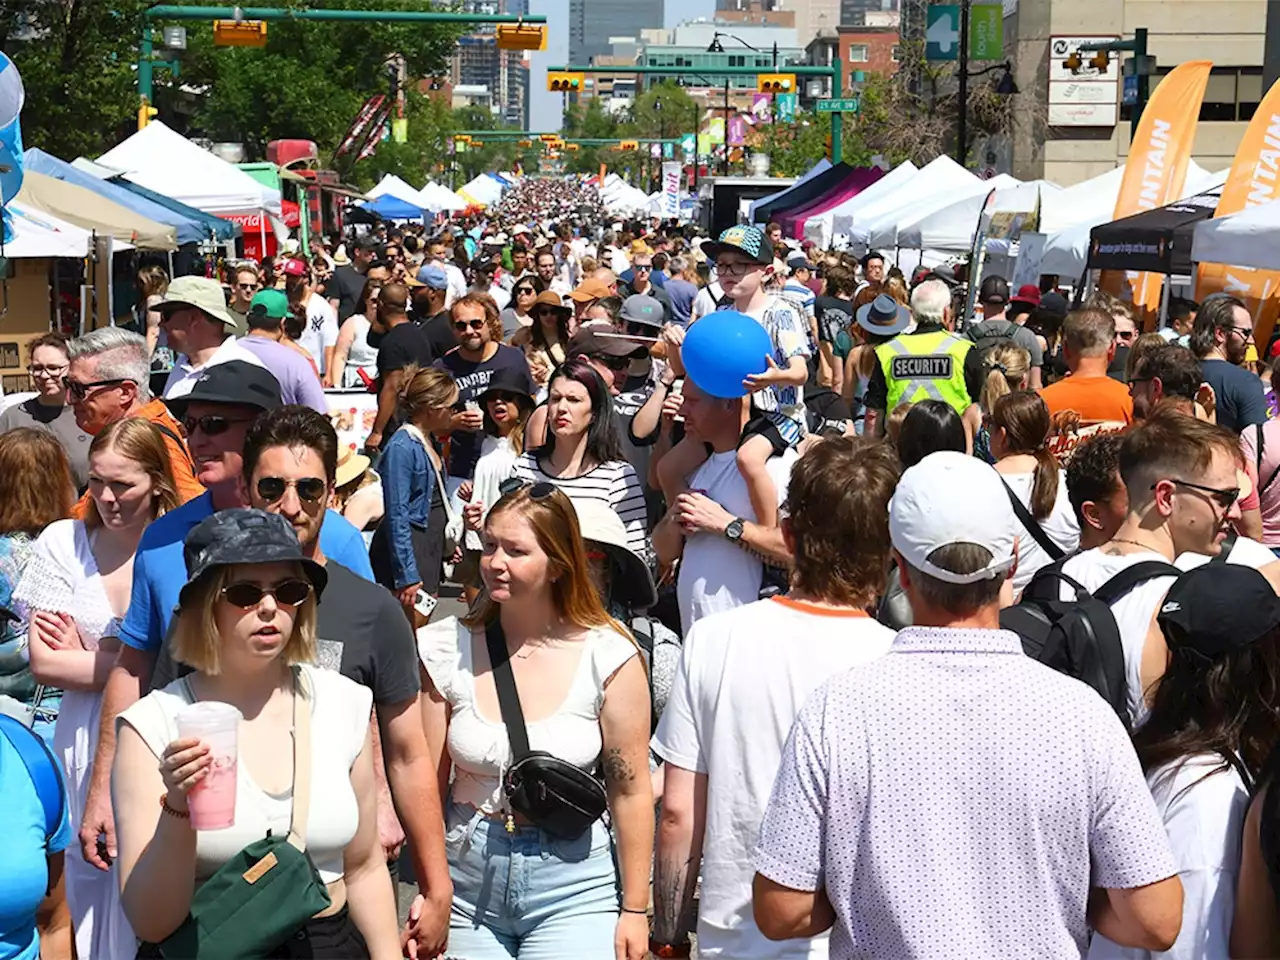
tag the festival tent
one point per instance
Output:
(484, 190)
(188, 230)
(938, 183)
(441, 198)
(393, 208)
(1250, 238)
(216, 227)
(162, 160)
(802, 194)
(38, 234)
(821, 166)
(839, 219)
(392, 186)
(859, 179)
(1156, 241)
(951, 228)
(89, 211)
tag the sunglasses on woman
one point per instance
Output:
(310, 489)
(287, 593)
(524, 291)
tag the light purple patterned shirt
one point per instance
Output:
(957, 799)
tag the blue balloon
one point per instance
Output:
(721, 349)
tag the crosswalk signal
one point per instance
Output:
(565, 82)
(521, 36)
(831, 143)
(776, 83)
(146, 113)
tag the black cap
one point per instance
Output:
(509, 380)
(993, 290)
(245, 536)
(1054, 303)
(1218, 607)
(236, 381)
(588, 343)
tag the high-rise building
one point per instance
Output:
(813, 16)
(853, 13)
(593, 24)
(497, 79)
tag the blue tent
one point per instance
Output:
(188, 230)
(221, 229)
(392, 208)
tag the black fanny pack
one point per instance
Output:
(552, 794)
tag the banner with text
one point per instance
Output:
(1252, 181)
(671, 189)
(1156, 170)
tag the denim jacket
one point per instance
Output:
(408, 481)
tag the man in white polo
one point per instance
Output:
(198, 325)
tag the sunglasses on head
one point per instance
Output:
(212, 424)
(78, 391)
(537, 491)
(310, 489)
(288, 593)
(464, 324)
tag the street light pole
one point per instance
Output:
(962, 121)
(724, 166)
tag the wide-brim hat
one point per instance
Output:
(351, 467)
(244, 536)
(508, 380)
(203, 293)
(883, 316)
(549, 298)
(633, 585)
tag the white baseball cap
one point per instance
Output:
(949, 498)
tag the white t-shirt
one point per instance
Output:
(1133, 612)
(457, 282)
(321, 331)
(715, 574)
(706, 301)
(742, 679)
(1060, 525)
(339, 723)
(1204, 813)
(183, 376)
(1246, 553)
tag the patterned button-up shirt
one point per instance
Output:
(957, 799)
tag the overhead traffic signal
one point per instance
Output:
(573, 146)
(522, 36)
(146, 113)
(566, 82)
(239, 33)
(776, 83)
(524, 143)
(629, 145)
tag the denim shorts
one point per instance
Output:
(528, 894)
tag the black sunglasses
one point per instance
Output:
(537, 491)
(615, 363)
(287, 593)
(473, 324)
(212, 424)
(310, 489)
(79, 391)
(1223, 498)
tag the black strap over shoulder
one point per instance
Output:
(1130, 577)
(1032, 525)
(508, 696)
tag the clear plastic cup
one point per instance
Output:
(212, 801)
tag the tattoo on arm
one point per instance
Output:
(617, 769)
(674, 917)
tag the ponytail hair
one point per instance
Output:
(1024, 418)
(1006, 366)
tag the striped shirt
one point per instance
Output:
(614, 483)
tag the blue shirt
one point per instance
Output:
(160, 570)
(408, 482)
(24, 868)
(1240, 398)
(682, 294)
(298, 380)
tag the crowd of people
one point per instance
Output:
(929, 635)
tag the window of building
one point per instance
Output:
(737, 60)
(858, 53)
(1232, 94)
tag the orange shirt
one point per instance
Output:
(1096, 399)
(180, 462)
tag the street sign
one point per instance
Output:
(787, 107)
(688, 143)
(986, 31)
(1129, 96)
(942, 32)
(846, 105)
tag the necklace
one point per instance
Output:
(1145, 546)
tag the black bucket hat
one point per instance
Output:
(508, 380)
(243, 535)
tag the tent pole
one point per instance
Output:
(262, 235)
(1164, 302)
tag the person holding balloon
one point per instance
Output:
(759, 347)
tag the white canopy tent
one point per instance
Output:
(939, 183)
(483, 189)
(165, 161)
(392, 186)
(951, 228)
(822, 228)
(39, 234)
(1250, 238)
(441, 198)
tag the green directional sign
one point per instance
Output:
(845, 105)
(942, 32)
(986, 31)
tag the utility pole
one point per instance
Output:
(962, 117)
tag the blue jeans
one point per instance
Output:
(527, 894)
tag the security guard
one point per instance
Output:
(930, 363)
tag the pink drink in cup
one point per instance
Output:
(212, 801)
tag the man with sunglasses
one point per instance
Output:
(245, 282)
(1182, 481)
(194, 316)
(641, 283)
(472, 364)
(217, 414)
(1221, 338)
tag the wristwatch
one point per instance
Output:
(733, 532)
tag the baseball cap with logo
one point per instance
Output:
(994, 290)
(1218, 607)
(202, 293)
(294, 268)
(640, 308)
(748, 241)
(950, 498)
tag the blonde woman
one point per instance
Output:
(246, 623)
(153, 282)
(75, 592)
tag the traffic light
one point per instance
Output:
(548, 137)
(776, 83)
(521, 36)
(629, 145)
(573, 146)
(524, 143)
(565, 82)
(1100, 60)
(146, 113)
(239, 33)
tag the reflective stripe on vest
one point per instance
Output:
(925, 366)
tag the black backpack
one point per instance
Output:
(996, 333)
(1080, 637)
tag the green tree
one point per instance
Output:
(664, 110)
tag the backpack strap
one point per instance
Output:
(1261, 445)
(1224, 549)
(43, 770)
(178, 440)
(1130, 577)
(1032, 525)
